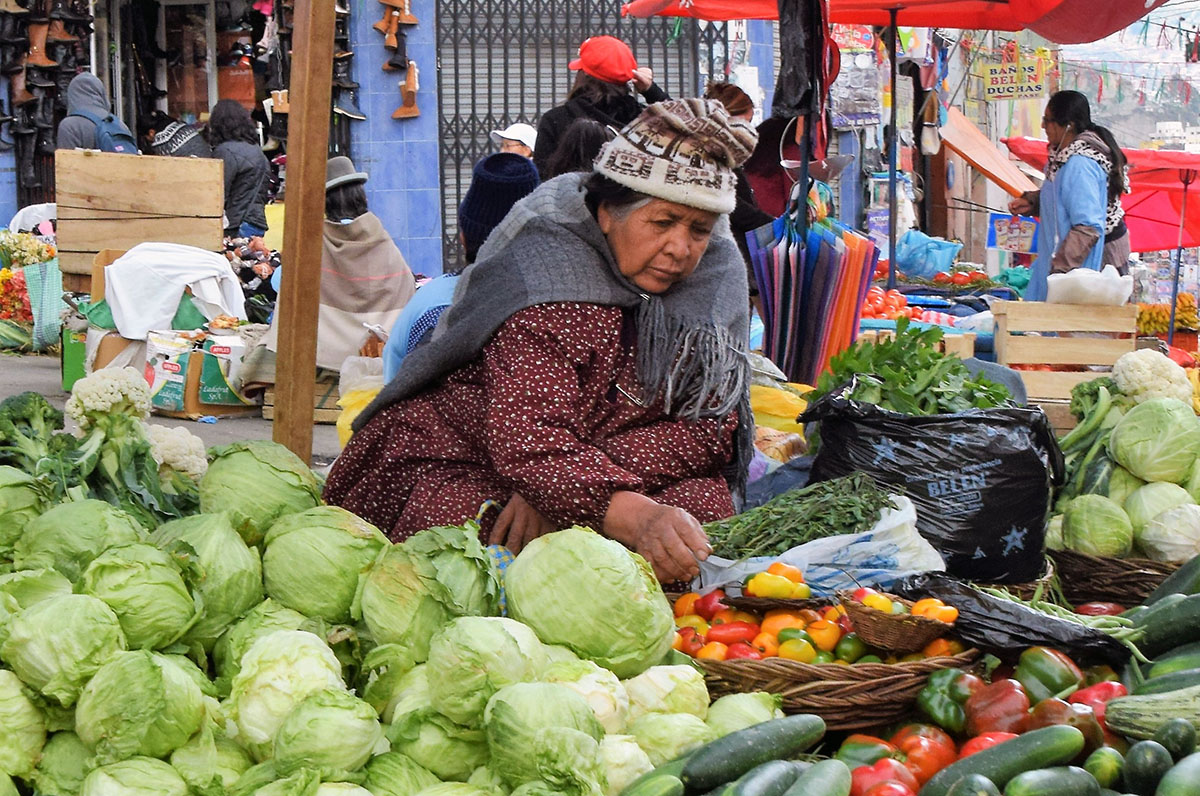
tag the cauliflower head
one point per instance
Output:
(109, 391)
(177, 449)
(1145, 374)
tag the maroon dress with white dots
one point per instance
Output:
(548, 410)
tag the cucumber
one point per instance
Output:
(1169, 682)
(1145, 764)
(662, 785)
(1182, 780)
(644, 785)
(1106, 765)
(731, 756)
(1185, 580)
(1170, 623)
(974, 785)
(1176, 660)
(826, 778)
(769, 779)
(1048, 746)
(1059, 781)
(1178, 737)
(1141, 716)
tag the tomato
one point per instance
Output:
(960, 279)
(1099, 609)
(688, 641)
(977, 276)
(686, 604)
(941, 278)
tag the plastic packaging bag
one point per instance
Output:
(44, 283)
(880, 556)
(1085, 286)
(980, 480)
(361, 380)
(918, 254)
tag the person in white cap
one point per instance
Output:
(518, 138)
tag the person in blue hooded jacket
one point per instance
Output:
(1082, 221)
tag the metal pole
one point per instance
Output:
(893, 155)
(1186, 176)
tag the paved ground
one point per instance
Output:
(41, 374)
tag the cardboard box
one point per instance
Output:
(108, 349)
(223, 355)
(175, 369)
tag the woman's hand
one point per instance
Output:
(519, 524)
(1022, 205)
(669, 538)
(643, 78)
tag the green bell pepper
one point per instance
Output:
(944, 697)
(863, 750)
(1046, 673)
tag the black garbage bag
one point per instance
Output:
(980, 480)
(1003, 626)
(801, 47)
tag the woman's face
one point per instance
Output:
(659, 243)
(1055, 132)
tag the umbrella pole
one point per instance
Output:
(1186, 177)
(893, 155)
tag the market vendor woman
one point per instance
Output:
(592, 368)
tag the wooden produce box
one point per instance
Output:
(959, 345)
(1054, 344)
(111, 201)
(325, 398)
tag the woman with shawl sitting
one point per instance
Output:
(592, 367)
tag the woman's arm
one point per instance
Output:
(667, 451)
(1083, 193)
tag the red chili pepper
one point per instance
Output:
(710, 603)
(1099, 609)
(864, 778)
(732, 632)
(741, 649)
(985, 741)
(999, 707)
(1097, 698)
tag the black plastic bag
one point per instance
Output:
(980, 479)
(801, 46)
(1003, 626)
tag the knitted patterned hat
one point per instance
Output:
(498, 182)
(683, 151)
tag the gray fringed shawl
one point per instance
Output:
(692, 339)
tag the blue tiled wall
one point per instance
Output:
(761, 34)
(401, 155)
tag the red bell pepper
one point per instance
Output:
(890, 789)
(1001, 706)
(922, 731)
(864, 750)
(1049, 712)
(741, 649)
(710, 603)
(1097, 698)
(1099, 609)
(864, 778)
(732, 632)
(985, 741)
(924, 757)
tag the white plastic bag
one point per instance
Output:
(1085, 286)
(878, 557)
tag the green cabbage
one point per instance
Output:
(623, 761)
(138, 703)
(7, 788)
(341, 789)
(21, 499)
(667, 689)
(449, 750)
(313, 560)
(24, 727)
(414, 588)
(666, 736)
(56, 645)
(210, 763)
(1172, 536)
(1054, 533)
(257, 482)
(1095, 525)
(278, 672)
(538, 788)
(473, 657)
(70, 535)
(264, 619)
(28, 586)
(605, 694)
(739, 711)
(488, 780)
(137, 776)
(1148, 501)
(1157, 440)
(144, 587)
(65, 762)
(397, 774)
(383, 669)
(1122, 483)
(590, 594)
(225, 575)
(453, 789)
(544, 731)
(332, 731)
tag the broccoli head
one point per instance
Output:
(27, 424)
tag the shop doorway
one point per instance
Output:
(505, 61)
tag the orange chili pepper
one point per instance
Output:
(713, 651)
(781, 620)
(686, 604)
(825, 634)
(767, 644)
(786, 570)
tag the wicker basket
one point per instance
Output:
(894, 632)
(760, 605)
(1127, 581)
(846, 697)
(1026, 591)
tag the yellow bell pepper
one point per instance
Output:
(764, 584)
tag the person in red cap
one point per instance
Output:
(604, 71)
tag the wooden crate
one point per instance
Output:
(325, 408)
(959, 345)
(1053, 345)
(111, 201)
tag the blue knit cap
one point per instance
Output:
(499, 181)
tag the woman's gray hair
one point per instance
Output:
(622, 211)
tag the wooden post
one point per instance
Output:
(304, 215)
